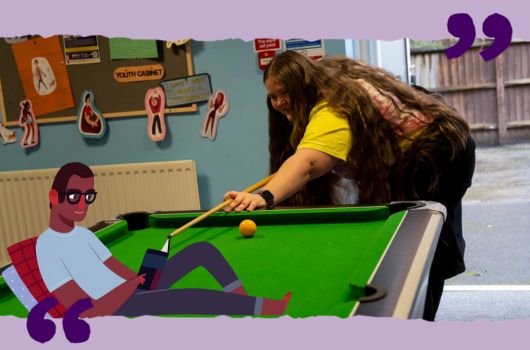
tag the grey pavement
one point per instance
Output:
(502, 175)
(496, 225)
(497, 244)
(491, 306)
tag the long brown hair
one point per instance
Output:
(446, 131)
(300, 77)
(375, 154)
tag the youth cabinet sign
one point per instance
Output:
(139, 73)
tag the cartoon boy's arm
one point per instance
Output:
(70, 292)
(119, 269)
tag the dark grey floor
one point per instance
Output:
(496, 220)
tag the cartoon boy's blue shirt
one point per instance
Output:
(77, 255)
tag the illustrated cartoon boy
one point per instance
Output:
(75, 265)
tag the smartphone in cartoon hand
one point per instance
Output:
(152, 266)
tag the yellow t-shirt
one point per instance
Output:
(327, 132)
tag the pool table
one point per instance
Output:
(341, 261)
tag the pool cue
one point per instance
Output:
(220, 206)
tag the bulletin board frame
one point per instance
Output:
(177, 61)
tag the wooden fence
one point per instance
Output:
(493, 96)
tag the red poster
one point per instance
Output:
(41, 68)
(264, 58)
(267, 45)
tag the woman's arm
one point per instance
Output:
(303, 166)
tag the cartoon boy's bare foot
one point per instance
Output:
(275, 307)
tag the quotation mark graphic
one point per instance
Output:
(495, 26)
(42, 330)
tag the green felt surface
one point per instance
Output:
(318, 254)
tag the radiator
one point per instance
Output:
(24, 206)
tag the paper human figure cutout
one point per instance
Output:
(43, 77)
(28, 123)
(6, 135)
(155, 102)
(218, 104)
(176, 42)
(90, 120)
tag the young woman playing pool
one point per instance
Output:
(339, 120)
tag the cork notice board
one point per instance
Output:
(114, 99)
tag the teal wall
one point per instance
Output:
(236, 159)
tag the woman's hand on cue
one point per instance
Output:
(244, 201)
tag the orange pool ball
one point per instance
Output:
(247, 228)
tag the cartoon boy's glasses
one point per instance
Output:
(73, 197)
